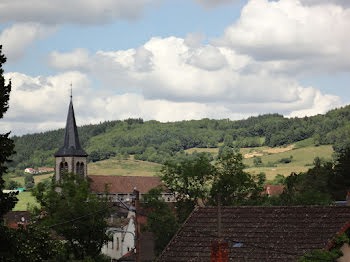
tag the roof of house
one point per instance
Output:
(273, 190)
(71, 146)
(123, 184)
(258, 233)
(14, 218)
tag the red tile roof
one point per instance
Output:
(16, 218)
(258, 234)
(273, 190)
(123, 184)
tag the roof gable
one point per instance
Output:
(258, 233)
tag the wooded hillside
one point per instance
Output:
(155, 141)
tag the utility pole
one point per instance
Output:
(137, 225)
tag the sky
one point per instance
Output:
(172, 60)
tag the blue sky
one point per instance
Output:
(173, 60)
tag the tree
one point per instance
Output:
(72, 201)
(190, 179)
(33, 243)
(233, 184)
(12, 185)
(29, 181)
(257, 161)
(161, 220)
(340, 183)
(7, 200)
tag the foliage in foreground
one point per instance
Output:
(330, 255)
(161, 220)
(7, 200)
(74, 213)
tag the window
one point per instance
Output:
(82, 169)
(117, 243)
(77, 168)
(63, 167)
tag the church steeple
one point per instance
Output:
(71, 157)
(71, 146)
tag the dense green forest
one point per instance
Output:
(155, 141)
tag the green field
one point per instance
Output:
(301, 162)
(24, 199)
(129, 167)
(303, 154)
(37, 178)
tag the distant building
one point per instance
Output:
(264, 234)
(122, 187)
(45, 169)
(30, 170)
(15, 218)
(273, 190)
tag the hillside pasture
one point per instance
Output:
(302, 160)
(129, 167)
(25, 199)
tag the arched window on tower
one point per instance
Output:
(61, 168)
(77, 168)
(65, 168)
(82, 171)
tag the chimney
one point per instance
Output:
(219, 252)
(219, 249)
(348, 198)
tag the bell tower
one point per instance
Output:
(70, 157)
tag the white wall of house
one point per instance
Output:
(122, 242)
(128, 240)
(113, 248)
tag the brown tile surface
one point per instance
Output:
(267, 233)
(123, 184)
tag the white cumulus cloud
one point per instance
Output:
(18, 37)
(292, 34)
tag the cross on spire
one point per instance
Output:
(71, 91)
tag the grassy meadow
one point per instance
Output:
(24, 200)
(128, 167)
(303, 154)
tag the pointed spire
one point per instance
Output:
(71, 145)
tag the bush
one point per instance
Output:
(10, 185)
(29, 181)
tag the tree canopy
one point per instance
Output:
(74, 213)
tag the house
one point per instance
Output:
(273, 190)
(250, 233)
(14, 219)
(45, 170)
(122, 230)
(30, 170)
(122, 187)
